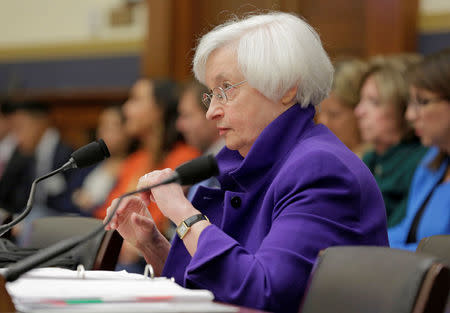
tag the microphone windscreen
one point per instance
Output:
(196, 170)
(91, 153)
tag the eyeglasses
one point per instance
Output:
(220, 94)
(421, 102)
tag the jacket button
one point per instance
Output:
(236, 202)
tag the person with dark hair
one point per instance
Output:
(39, 151)
(192, 123)
(395, 151)
(150, 117)
(96, 182)
(7, 140)
(288, 187)
(428, 210)
(196, 129)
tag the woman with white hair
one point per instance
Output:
(289, 188)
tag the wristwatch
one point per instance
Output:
(185, 225)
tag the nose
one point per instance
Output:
(411, 113)
(215, 111)
(359, 110)
(126, 107)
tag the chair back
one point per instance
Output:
(438, 245)
(99, 253)
(376, 279)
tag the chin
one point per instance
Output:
(232, 145)
(426, 142)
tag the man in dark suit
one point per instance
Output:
(39, 151)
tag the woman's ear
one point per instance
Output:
(289, 96)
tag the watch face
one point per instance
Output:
(182, 229)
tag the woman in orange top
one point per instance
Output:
(151, 113)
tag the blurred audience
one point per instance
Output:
(429, 112)
(100, 180)
(337, 110)
(39, 151)
(196, 129)
(7, 140)
(192, 123)
(150, 117)
(396, 151)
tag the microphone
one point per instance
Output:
(188, 173)
(88, 155)
(194, 171)
(85, 156)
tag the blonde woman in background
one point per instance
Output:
(337, 110)
(381, 116)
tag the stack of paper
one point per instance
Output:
(65, 290)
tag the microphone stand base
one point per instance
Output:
(6, 303)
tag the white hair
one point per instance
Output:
(275, 52)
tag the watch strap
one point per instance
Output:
(184, 226)
(194, 219)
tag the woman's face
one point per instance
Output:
(191, 122)
(379, 122)
(247, 112)
(111, 129)
(141, 111)
(340, 119)
(429, 114)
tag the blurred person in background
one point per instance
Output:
(428, 209)
(39, 151)
(150, 117)
(381, 116)
(98, 181)
(337, 110)
(7, 140)
(196, 129)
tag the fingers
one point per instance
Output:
(117, 218)
(154, 177)
(150, 179)
(108, 213)
(143, 221)
(126, 208)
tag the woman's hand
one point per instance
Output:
(135, 224)
(169, 198)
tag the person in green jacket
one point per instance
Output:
(396, 150)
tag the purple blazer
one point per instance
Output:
(299, 190)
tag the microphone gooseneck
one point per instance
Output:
(188, 173)
(85, 156)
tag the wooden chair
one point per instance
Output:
(439, 246)
(376, 279)
(99, 253)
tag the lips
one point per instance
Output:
(222, 130)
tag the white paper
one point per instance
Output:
(43, 288)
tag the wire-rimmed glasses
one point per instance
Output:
(220, 94)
